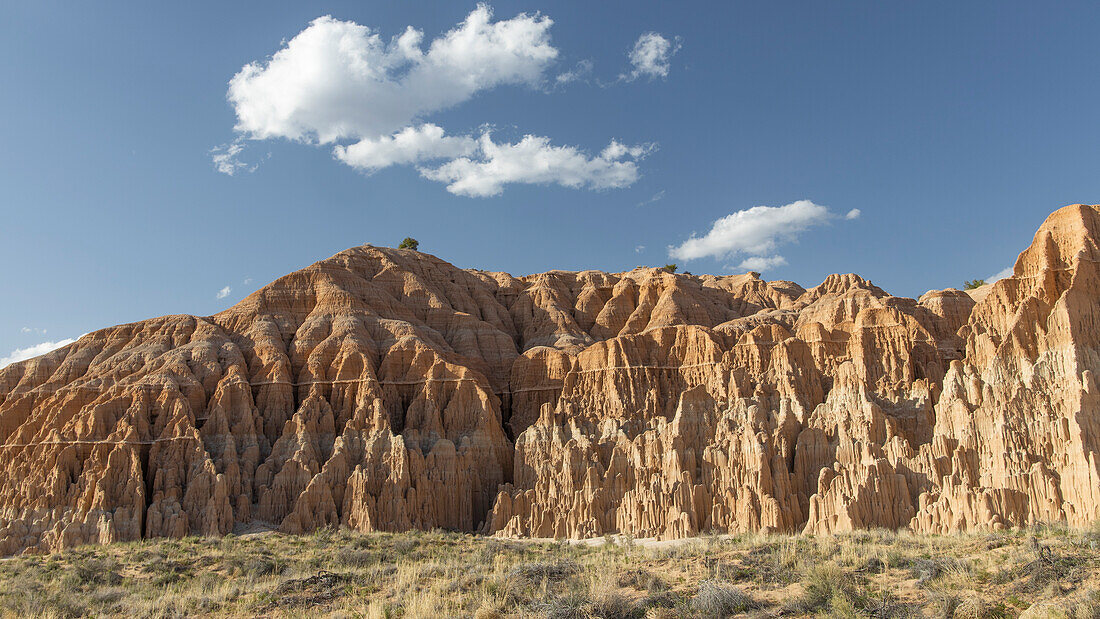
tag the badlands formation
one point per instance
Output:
(386, 389)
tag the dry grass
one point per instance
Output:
(339, 573)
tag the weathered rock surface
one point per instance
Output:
(386, 389)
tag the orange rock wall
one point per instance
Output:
(386, 389)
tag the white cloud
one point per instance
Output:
(651, 56)
(247, 281)
(762, 263)
(754, 232)
(408, 146)
(639, 249)
(999, 275)
(853, 214)
(582, 70)
(535, 160)
(338, 79)
(223, 293)
(657, 197)
(225, 159)
(22, 354)
(33, 330)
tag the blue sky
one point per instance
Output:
(951, 130)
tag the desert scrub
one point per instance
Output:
(829, 587)
(718, 600)
(341, 573)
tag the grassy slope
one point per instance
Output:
(340, 573)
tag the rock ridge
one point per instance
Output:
(385, 389)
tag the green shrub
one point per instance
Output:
(409, 243)
(828, 586)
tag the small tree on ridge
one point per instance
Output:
(971, 284)
(409, 243)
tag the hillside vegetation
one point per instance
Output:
(1049, 572)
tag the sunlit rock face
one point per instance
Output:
(386, 389)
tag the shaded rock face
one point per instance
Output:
(387, 390)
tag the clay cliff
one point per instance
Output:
(386, 389)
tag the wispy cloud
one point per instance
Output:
(224, 157)
(33, 330)
(657, 197)
(223, 293)
(639, 249)
(579, 72)
(22, 354)
(853, 214)
(999, 275)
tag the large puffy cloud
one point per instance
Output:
(535, 160)
(756, 233)
(338, 79)
(22, 354)
(651, 56)
(340, 83)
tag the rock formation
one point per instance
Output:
(386, 389)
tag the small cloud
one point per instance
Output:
(534, 160)
(578, 73)
(33, 330)
(639, 249)
(853, 214)
(247, 281)
(999, 275)
(756, 233)
(30, 352)
(223, 293)
(224, 157)
(651, 56)
(762, 263)
(409, 146)
(657, 197)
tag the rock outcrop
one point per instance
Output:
(386, 389)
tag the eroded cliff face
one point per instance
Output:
(386, 389)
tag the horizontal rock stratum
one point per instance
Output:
(386, 389)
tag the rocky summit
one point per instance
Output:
(386, 389)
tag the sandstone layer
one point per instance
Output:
(386, 389)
